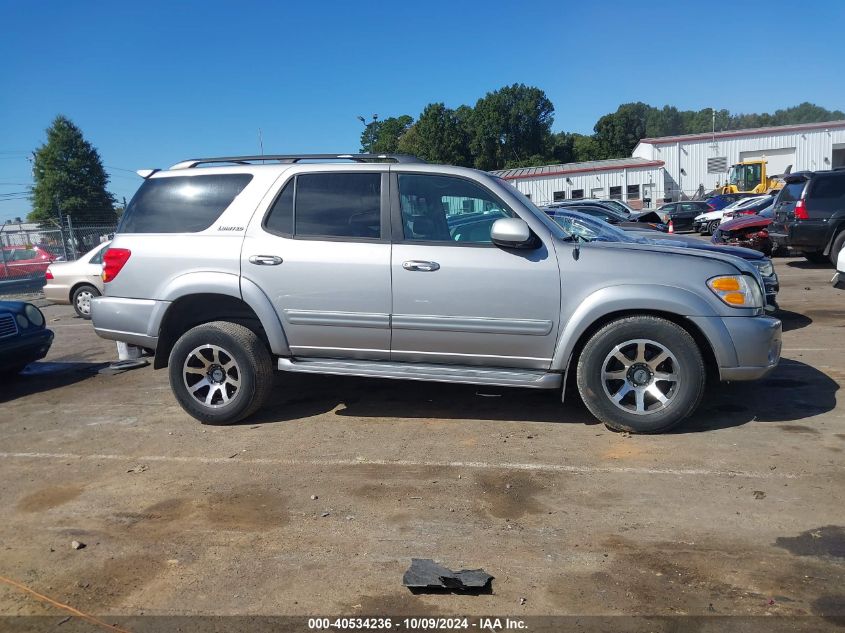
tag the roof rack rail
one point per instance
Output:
(295, 158)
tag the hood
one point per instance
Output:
(645, 216)
(710, 215)
(715, 253)
(745, 222)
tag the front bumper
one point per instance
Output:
(25, 349)
(746, 348)
(133, 321)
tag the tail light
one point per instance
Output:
(801, 210)
(113, 262)
(48, 274)
(748, 212)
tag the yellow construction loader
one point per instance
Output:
(750, 177)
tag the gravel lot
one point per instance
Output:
(738, 512)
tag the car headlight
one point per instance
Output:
(34, 315)
(23, 322)
(765, 266)
(738, 291)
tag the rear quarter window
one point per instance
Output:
(182, 204)
(792, 191)
(828, 188)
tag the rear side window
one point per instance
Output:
(183, 204)
(828, 188)
(792, 191)
(328, 205)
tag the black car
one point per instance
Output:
(683, 214)
(810, 214)
(589, 229)
(24, 337)
(645, 220)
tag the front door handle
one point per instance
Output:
(265, 260)
(423, 266)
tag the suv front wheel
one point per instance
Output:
(220, 372)
(641, 374)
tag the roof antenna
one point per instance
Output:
(261, 144)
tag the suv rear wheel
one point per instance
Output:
(641, 374)
(220, 372)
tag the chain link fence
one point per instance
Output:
(26, 250)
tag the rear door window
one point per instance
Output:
(182, 204)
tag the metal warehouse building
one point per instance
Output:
(674, 167)
(630, 179)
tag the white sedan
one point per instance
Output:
(77, 282)
(707, 223)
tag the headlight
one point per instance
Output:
(738, 291)
(765, 266)
(23, 322)
(34, 315)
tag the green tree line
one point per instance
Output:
(512, 127)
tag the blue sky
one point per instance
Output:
(151, 83)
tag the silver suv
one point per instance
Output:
(385, 266)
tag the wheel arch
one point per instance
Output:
(191, 310)
(609, 304)
(77, 286)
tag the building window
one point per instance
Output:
(559, 195)
(577, 194)
(633, 192)
(616, 193)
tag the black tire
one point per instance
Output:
(81, 300)
(685, 363)
(712, 226)
(816, 257)
(836, 247)
(252, 369)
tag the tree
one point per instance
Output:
(619, 132)
(68, 172)
(510, 125)
(438, 136)
(382, 137)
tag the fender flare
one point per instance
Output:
(625, 298)
(224, 284)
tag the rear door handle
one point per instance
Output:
(265, 260)
(422, 266)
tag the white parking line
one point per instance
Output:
(561, 468)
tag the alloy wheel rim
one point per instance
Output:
(641, 376)
(211, 375)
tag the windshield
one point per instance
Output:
(745, 177)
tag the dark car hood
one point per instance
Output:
(645, 216)
(690, 242)
(747, 222)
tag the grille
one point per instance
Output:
(8, 327)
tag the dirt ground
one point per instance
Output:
(739, 512)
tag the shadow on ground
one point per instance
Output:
(808, 265)
(794, 391)
(44, 376)
(792, 320)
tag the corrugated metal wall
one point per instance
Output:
(813, 150)
(541, 189)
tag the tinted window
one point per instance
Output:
(280, 218)
(445, 209)
(577, 193)
(183, 204)
(616, 193)
(792, 191)
(338, 205)
(828, 187)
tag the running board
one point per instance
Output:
(472, 375)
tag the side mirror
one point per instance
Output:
(512, 233)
